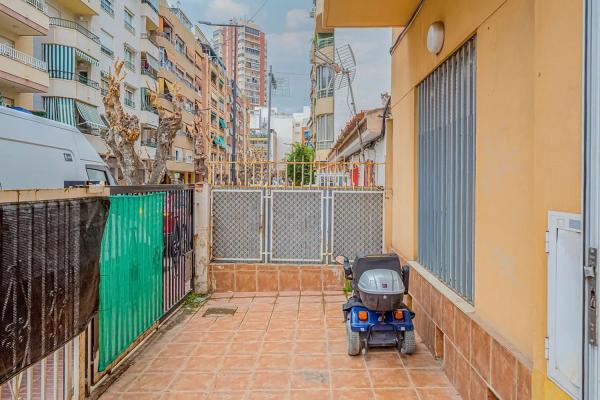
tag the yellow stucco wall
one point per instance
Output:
(528, 150)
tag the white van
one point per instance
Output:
(38, 153)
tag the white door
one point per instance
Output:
(592, 196)
(565, 294)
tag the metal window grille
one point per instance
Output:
(447, 170)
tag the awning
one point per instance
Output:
(60, 109)
(60, 60)
(90, 115)
(87, 58)
(222, 123)
(152, 62)
(219, 141)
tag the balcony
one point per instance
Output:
(24, 17)
(129, 65)
(148, 45)
(21, 72)
(149, 12)
(75, 86)
(107, 52)
(71, 33)
(360, 13)
(129, 27)
(80, 7)
(325, 42)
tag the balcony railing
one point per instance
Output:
(152, 3)
(129, 65)
(325, 42)
(150, 36)
(150, 142)
(107, 6)
(65, 23)
(151, 72)
(129, 102)
(146, 106)
(73, 76)
(107, 51)
(23, 58)
(39, 4)
(129, 27)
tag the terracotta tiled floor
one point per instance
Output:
(286, 346)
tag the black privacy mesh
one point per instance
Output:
(49, 274)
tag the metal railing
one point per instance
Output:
(151, 37)
(39, 4)
(146, 106)
(153, 4)
(325, 42)
(50, 377)
(73, 76)
(150, 142)
(107, 6)
(298, 174)
(65, 23)
(107, 51)
(151, 72)
(129, 65)
(129, 27)
(23, 58)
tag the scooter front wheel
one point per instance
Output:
(353, 340)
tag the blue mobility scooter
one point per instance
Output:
(375, 314)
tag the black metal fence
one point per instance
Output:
(178, 234)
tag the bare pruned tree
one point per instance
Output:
(124, 130)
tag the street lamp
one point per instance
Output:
(234, 90)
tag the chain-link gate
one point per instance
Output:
(237, 221)
(301, 226)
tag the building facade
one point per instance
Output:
(481, 193)
(361, 147)
(251, 58)
(322, 87)
(22, 73)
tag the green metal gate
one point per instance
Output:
(131, 273)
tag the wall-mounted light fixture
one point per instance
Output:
(435, 37)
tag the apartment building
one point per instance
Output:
(21, 72)
(322, 88)
(251, 58)
(125, 30)
(177, 55)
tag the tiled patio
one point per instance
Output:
(275, 346)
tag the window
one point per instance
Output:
(324, 125)
(178, 154)
(106, 43)
(107, 6)
(128, 21)
(324, 81)
(129, 58)
(179, 44)
(96, 175)
(128, 98)
(446, 112)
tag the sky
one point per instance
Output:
(289, 31)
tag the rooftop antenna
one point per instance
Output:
(344, 68)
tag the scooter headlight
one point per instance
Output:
(363, 315)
